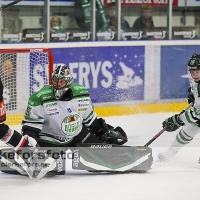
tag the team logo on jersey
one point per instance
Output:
(71, 125)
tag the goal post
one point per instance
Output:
(23, 72)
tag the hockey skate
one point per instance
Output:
(167, 155)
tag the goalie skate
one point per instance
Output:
(166, 155)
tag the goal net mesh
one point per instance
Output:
(23, 72)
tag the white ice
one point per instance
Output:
(173, 180)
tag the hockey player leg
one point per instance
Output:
(17, 141)
(183, 137)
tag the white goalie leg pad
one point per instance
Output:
(49, 165)
(20, 166)
(25, 166)
(13, 166)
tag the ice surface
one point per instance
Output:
(178, 179)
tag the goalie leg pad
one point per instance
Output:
(111, 158)
(4, 167)
(59, 155)
(48, 165)
(10, 166)
(13, 163)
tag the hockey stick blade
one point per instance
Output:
(164, 129)
(9, 5)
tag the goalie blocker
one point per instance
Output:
(90, 157)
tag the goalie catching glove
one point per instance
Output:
(111, 135)
(172, 123)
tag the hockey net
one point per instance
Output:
(23, 72)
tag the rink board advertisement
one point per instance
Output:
(111, 74)
(173, 68)
(118, 74)
(122, 78)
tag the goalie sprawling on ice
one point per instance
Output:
(61, 116)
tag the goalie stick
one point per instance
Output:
(164, 129)
(9, 5)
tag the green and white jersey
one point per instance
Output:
(59, 121)
(191, 116)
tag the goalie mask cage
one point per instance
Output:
(23, 72)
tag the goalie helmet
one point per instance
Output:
(194, 62)
(61, 80)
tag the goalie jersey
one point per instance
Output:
(59, 121)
